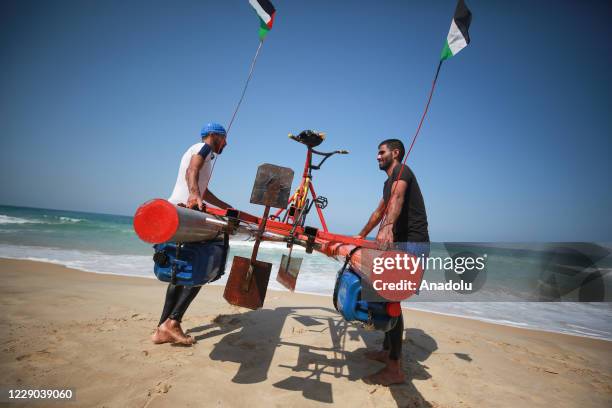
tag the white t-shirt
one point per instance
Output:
(180, 194)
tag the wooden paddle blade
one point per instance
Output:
(253, 297)
(272, 186)
(288, 271)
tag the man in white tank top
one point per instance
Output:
(191, 189)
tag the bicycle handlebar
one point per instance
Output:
(311, 139)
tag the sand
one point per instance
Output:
(90, 332)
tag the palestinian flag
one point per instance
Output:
(265, 10)
(458, 37)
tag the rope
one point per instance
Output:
(240, 100)
(433, 86)
(245, 86)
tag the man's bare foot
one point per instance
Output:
(161, 337)
(391, 374)
(173, 329)
(382, 355)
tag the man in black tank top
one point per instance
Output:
(405, 225)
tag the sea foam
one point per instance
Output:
(5, 219)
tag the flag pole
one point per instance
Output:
(438, 71)
(433, 86)
(431, 92)
(245, 86)
(265, 12)
(458, 38)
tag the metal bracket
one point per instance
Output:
(311, 233)
(232, 220)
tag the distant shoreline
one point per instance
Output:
(483, 320)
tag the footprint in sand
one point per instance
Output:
(40, 356)
(160, 388)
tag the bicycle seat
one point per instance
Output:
(309, 137)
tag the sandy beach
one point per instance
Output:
(90, 332)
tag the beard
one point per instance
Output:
(384, 164)
(218, 147)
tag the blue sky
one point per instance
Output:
(99, 99)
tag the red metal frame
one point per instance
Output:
(284, 228)
(305, 177)
(319, 211)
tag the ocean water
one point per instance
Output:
(107, 244)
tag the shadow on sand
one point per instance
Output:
(251, 339)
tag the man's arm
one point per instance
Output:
(396, 201)
(192, 176)
(373, 221)
(210, 198)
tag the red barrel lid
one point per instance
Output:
(156, 221)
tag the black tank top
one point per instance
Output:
(411, 225)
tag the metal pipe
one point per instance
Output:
(158, 221)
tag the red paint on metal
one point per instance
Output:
(394, 309)
(330, 237)
(156, 221)
(314, 199)
(284, 228)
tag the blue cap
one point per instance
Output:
(213, 127)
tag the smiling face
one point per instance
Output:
(386, 156)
